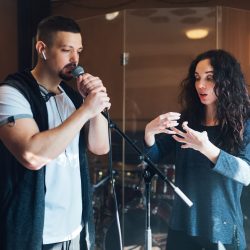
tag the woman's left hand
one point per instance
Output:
(196, 140)
(191, 138)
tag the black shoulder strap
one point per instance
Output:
(28, 87)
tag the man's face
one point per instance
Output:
(63, 53)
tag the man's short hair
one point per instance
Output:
(52, 24)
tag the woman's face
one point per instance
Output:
(204, 83)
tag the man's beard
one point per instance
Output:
(69, 67)
(64, 76)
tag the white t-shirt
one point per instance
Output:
(63, 198)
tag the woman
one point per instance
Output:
(210, 146)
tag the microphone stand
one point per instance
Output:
(111, 176)
(103, 180)
(150, 170)
(148, 234)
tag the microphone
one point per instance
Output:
(77, 71)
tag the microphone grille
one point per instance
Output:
(77, 71)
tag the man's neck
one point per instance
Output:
(45, 80)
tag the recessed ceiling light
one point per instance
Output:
(111, 16)
(196, 33)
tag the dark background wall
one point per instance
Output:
(8, 34)
(18, 21)
(29, 13)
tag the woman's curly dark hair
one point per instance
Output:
(233, 106)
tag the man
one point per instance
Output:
(45, 129)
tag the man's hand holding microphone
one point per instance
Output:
(93, 91)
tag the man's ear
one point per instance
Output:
(40, 48)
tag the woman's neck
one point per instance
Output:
(210, 117)
(210, 122)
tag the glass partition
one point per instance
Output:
(141, 56)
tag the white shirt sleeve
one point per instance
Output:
(13, 105)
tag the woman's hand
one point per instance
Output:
(190, 138)
(196, 140)
(161, 124)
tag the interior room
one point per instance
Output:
(141, 50)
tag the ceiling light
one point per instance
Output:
(197, 33)
(111, 16)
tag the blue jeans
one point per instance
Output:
(179, 240)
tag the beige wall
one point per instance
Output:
(8, 40)
(235, 36)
